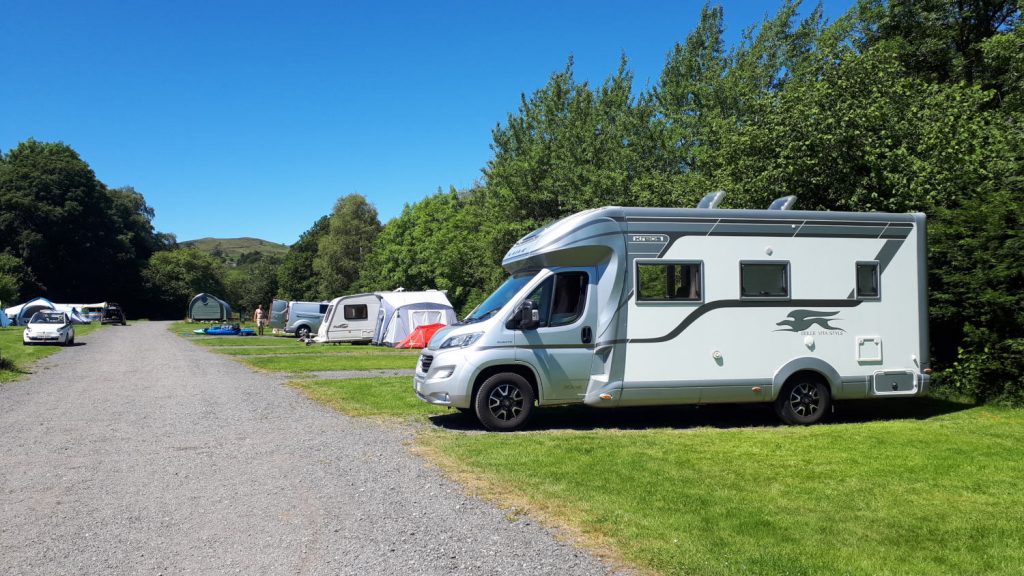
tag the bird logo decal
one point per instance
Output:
(800, 320)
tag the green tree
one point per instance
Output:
(252, 284)
(14, 279)
(351, 231)
(435, 243)
(175, 276)
(296, 277)
(80, 240)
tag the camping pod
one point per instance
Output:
(208, 308)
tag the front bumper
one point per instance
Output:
(41, 338)
(444, 383)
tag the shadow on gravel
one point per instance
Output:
(77, 344)
(722, 416)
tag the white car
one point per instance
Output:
(49, 327)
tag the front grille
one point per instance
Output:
(425, 361)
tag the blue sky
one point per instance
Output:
(273, 110)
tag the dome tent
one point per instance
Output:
(208, 308)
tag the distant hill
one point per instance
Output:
(231, 249)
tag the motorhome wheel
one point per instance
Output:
(504, 402)
(302, 332)
(804, 400)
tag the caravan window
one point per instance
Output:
(668, 281)
(356, 312)
(867, 281)
(764, 279)
(561, 298)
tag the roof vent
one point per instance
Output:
(784, 203)
(712, 200)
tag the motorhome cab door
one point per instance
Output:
(562, 346)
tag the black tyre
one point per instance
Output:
(504, 402)
(804, 400)
(302, 332)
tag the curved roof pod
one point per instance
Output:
(206, 307)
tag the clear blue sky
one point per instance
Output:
(275, 109)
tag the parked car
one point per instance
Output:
(114, 315)
(295, 317)
(49, 327)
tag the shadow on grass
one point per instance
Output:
(722, 416)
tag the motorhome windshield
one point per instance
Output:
(497, 300)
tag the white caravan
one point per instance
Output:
(648, 306)
(383, 318)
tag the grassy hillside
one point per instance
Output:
(232, 248)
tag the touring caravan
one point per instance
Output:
(208, 308)
(295, 317)
(383, 318)
(649, 306)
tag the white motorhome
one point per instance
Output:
(649, 306)
(383, 318)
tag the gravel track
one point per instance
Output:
(139, 453)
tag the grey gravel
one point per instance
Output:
(139, 453)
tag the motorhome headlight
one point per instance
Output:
(461, 341)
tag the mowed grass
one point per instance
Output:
(297, 348)
(933, 496)
(17, 359)
(390, 397)
(323, 363)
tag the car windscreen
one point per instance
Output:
(497, 300)
(47, 318)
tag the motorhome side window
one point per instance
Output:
(668, 281)
(764, 279)
(356, 312)
(561, 298)
(323, 308)
(867, 281)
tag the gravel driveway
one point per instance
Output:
(140, 453)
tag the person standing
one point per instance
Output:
(257, 317)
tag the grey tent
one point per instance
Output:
(208, 308)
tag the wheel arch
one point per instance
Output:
(523, 370)
(812, 366)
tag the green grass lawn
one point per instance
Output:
(297, 348)
(320, 363)
(18, 358)
(938, 495)
(390, 396)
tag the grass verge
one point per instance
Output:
(933, 496)
(298, 349)
(333, 362)
(17, 359)
(387, 397)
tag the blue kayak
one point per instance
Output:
(225, 330)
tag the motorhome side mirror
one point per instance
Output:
(529, 318)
